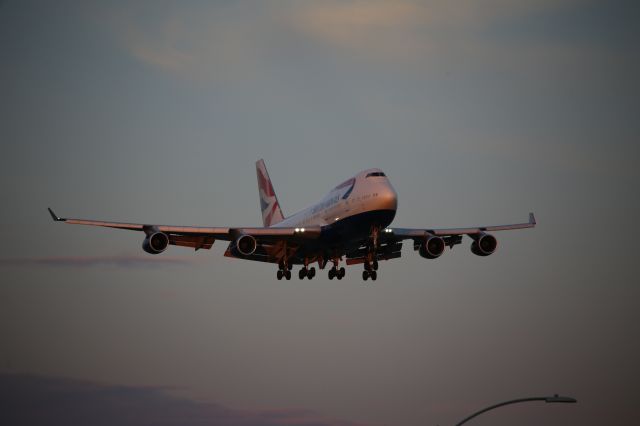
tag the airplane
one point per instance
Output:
(350, 224)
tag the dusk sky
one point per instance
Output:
(478, 111)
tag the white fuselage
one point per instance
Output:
(368, 191)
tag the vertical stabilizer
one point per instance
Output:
(271, 212)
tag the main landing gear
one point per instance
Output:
(307, 272)
(336, 272)
(284, 271)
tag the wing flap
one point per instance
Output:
(194, 241)
(381, 256)
(264, 253)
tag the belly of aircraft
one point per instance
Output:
(356, 227)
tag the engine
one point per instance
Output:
(155, 243)
(432, 247)
(246, 245)
(483, 244)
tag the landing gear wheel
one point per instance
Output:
(374, 275)
(332, 273)
(341, 273)
(365, 275)
(303, 273)
(287, 274)
(279, 274)
(375, 265)
(311, 273)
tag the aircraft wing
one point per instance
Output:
(203, 237)
(451, 236)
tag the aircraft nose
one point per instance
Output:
(388, 198)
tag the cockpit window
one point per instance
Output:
(376, 174)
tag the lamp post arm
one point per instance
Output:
(513, 401)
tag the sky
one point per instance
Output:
(478, 111)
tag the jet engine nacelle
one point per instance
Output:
(155, 243)
(432, 247)
(246, 245)
(483, 244)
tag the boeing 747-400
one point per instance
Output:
(351, 224)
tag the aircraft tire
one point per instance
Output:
(342, 272)
(374, 275)
(365, 275)
(311, 273)
(287, 274)
(279, 274)
(302, 273)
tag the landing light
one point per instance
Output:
(337, 218)
(388, 230)
(297, 229)
(301, 229)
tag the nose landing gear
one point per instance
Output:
(371, 261)
(366, 274)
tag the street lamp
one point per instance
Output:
(549, 399)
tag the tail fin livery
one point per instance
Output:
(271, 212)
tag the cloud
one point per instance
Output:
(406, 29)
(209, 41)
(366, 26)
(37, 400)
(122, 261)
(235, 41)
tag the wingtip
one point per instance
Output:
(54, 217)
(532, 218)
